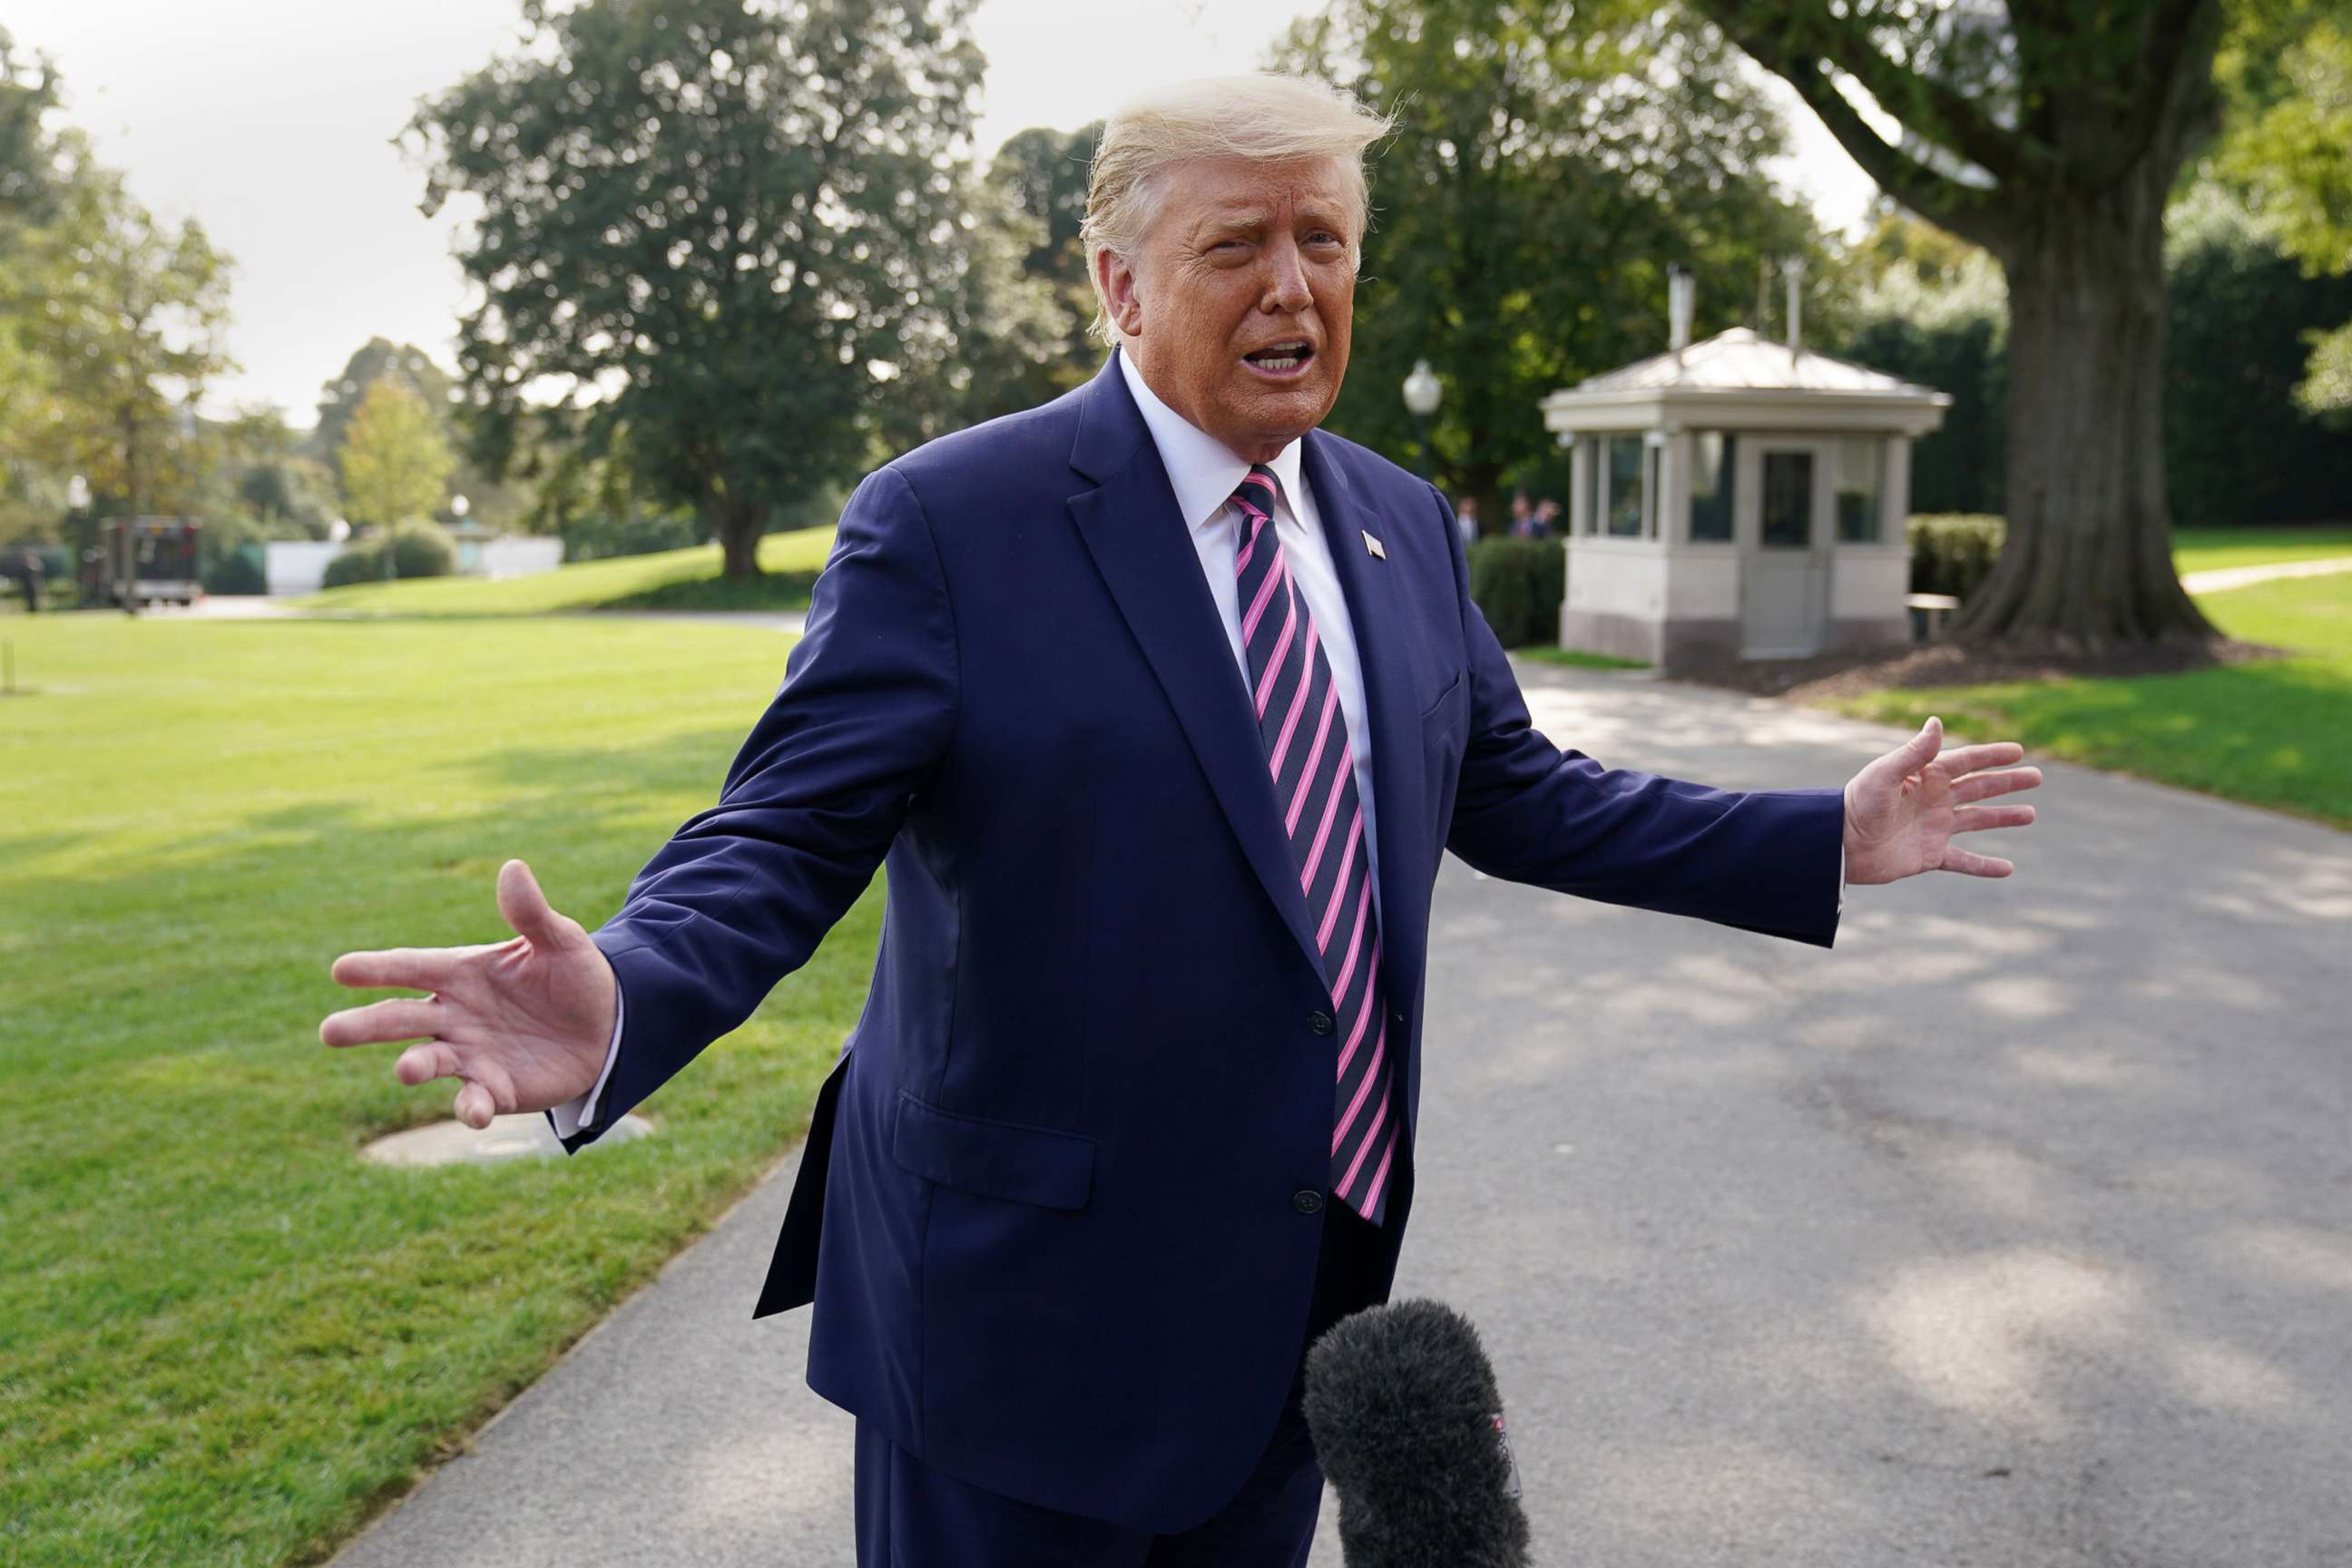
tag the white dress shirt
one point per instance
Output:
(1204, 473)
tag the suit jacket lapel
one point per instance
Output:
(1143, 548)
(1374, 607)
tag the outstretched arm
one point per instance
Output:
(745, 889)
(1762, 860)
(739, 896)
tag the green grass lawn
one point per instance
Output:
(2208, 549)
(665, 580)
(224, 1340)
(2275, 733)
(1576, 659)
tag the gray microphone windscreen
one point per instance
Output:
(1408, 1425)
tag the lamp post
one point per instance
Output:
(1421, 392)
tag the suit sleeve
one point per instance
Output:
(1527, 811)
(745, 889)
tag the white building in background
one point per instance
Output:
(300, 565)
(484, 552)
(297, 565)
(1737, 498)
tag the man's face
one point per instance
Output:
(1237, 304)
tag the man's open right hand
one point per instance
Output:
(522, 1024)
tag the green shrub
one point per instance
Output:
(1951, 553)
(360, 563)
(419, 548)
(600, 535)
(1518, 584)
(243, 570)
(230, 554)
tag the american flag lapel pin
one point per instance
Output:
(1378, 551)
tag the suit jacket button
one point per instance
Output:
(1320, 1023)
(1306, 1200)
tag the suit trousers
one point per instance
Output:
(911, 1516)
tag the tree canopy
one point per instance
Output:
(732, 228)
(1040, 175)
(110, 322)
(1551, 160)
(395, 465)
(2286, 69)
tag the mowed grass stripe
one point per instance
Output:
(2212, 549)
(222, 1338)
(2275, 733)
(665, 580)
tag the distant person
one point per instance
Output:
(1465, 520)
(1547, 518)
(1114, 688)
(29, 580)
(1522, 516)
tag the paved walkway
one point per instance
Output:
(2018, 1229)
(2225, 578)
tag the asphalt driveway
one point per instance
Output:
(2015, 1230)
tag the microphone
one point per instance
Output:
(1408, 1424)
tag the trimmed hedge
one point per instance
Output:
(245, 569)
(1952, 553)
(419, 548)
(1518, 584)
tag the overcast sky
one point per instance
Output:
(269, 121)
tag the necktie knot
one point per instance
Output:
(1254, 495)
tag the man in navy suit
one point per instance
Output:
(1160, 706)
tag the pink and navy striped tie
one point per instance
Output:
(1305, 739)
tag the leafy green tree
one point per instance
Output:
(2238, 361)
(726, 226)
(494, 498)
(32, 170)
(2051, 133)
(998, 338)
(28, 151)
(110, 326)
(1928, 306)
(31, 176)
(2286, 68)
(376, 360)
(1551, 160)
(394, 463)
(1041, 173)
(291, 497)
(124, 316)
(1932, 309)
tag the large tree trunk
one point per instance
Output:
(739, 537)
(2088, 561)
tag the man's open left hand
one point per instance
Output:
(1902, 810)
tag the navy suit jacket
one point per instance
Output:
(1046, 1207)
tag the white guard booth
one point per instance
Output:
(1736, 499)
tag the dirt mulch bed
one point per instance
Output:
(1827, 677)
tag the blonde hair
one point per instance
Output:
(1264, 116)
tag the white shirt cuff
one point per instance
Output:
(581, 1109)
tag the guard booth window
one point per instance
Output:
(1713, 460)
